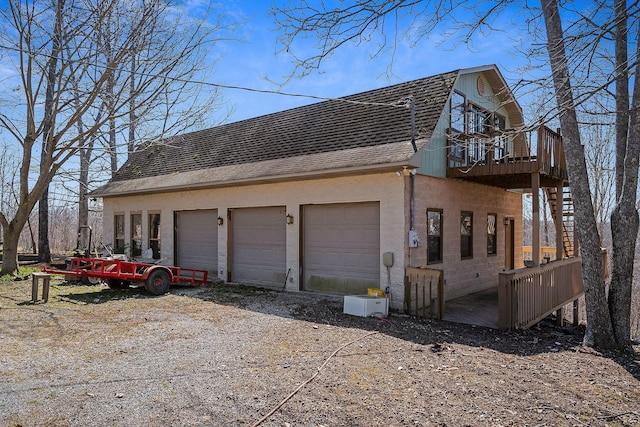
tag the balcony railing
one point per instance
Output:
(507, 153)
(528, 295)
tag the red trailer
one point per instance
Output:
(120, 274)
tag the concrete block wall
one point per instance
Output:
(464, 276)
(391, 190)
(386, 188)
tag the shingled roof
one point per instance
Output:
(369, 128)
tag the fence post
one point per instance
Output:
(505, 302)
(441, 295)
(407, 294)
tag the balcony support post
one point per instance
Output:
(559, 221)
(535, 218)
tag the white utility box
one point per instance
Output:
(366, 305)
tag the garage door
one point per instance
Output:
(258, 238)
(197, 240)
(341, 247)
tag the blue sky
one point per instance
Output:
(252, 62)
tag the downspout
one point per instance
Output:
(415, 150)
(412, 105)
(413, 236)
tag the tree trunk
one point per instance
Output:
(624, 219)
(599, 331)
(11, 231)
(83, 202)
(44, 252)
(622, 90)
(9, 250)
(34, 245)
(11, 236)
(624, 230)
(113, 144)
(132, 106)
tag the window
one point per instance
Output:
(500, 139)
(118, 234)
(466, 235)
(154, 234)
(479, 125)
(457, 113)
(457, 127)
(492, 241)
(499, 122)
(479, 120)
(434, 236)
(136, 235)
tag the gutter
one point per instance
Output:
(350, 171)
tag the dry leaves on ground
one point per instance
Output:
(229, 355)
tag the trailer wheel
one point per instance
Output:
(91, 281)
(158, 282)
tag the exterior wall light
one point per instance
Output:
(220, 220)
(289, 219)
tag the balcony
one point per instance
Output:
(507, 159)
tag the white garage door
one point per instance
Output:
(197, 240)
(258, 238)
(341, 247)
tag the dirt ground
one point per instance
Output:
(240, 356)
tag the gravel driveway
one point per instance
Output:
(229, 355)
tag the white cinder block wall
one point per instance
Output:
(389, 189)
(385, 188)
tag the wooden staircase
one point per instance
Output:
(568, 224)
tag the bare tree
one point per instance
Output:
(51, 68)
(600, 157)
(624, 219)
(8, 170)
(174, 46)
(85, 72)
(581, 68)
(599, 326)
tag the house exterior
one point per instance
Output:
(338, 196)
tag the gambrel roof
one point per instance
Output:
(367, 131)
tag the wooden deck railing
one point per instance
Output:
(506, 154)
(550, 153)
(528, 295)
(424, 292)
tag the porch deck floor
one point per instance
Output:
(480, 308)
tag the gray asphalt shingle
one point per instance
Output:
(364, 120)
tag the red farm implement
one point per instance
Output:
(120, 274)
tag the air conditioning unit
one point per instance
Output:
(366, 305)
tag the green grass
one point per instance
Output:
(23, 271)
(62, 292)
